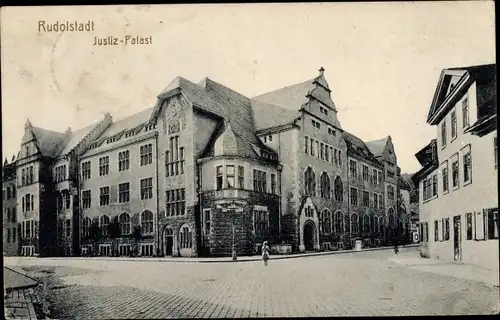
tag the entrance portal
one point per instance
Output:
(309, 230)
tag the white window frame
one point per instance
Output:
(143, 248)
(108, 250)
(123, 246)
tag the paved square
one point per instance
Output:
(358, 284)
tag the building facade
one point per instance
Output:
(10, 227)
(208, 171)
(458, 191)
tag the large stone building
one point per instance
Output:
(457, 184)
(10, 227)
(205, 171)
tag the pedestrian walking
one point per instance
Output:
(265, 252)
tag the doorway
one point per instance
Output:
(169, 241)
(457, 239)
(309, 229)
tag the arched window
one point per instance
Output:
(375, 224)
(339, 189)
(103, 223)
(87, 222)
(355, 224)
(325, 186)
(327, 222)
(185, 237)
(124, 220)
(339, 222)
(366, 223)
(147, 222)
(347, 223)
(310, 182)
(381, 224)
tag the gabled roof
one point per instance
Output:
(357, 147)
(75, 138)
(466, 75)
(49, 142)
(295, 96)
(267, 115)
(127, 123)
(377, 147)
(222, 101)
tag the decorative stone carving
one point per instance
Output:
(173, 127)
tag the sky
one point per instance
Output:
(382, 60)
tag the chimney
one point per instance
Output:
(68, 131)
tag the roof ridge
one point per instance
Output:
(312, 80)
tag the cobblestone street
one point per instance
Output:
(351, 284)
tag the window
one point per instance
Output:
(312, 147)
(23, 177)
(465, 112)
(14, 235)
(327, 155)
(434, 185)
(325, 186)
(259, 181)
(273, 183)
(124, 222)
(207, 217)
(317, 148)
(104, 249)
(147, 249)
(60, 173)
(365, 173)
(375, 200)
(146, 222)
(323, 111)
(446, 227)
(455, 173)
(316, 124)
(270, 138)
(146, 188)
(261, 222)
(30, 175)
(103, 224)
(443, 134)
(467, 167)
(124, 249)
(469, 226)
(379, 177)
(185, 237)
(322, 151)
(29, 201)
(86, 199)
(124, 192)
(86, 170)
(104, 196)
(8, 235)
(444, 171)
(306, 145)
(366, 224)
(325, 222)
(339, 222)
(436, 231)
(331, 131)
(230, 176)
(174, 158)
(390, 192)
(355, 224)
(354, 196)
(492, 224)
(103, 166)
(310, 182)
(67, 197)
(87, 222)
(309, 211)
(339, 189)
(390, 173)
(453, 124)
(219, 177)
(175, 202)
(146, 152)
(123, 160)
(353, 169)
(366, 198)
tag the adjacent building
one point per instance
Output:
(457, 184)
(208, 171)
(10, 227)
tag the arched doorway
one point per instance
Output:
(309, 235)
(168, 240)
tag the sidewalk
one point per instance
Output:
(451, 269)
(19, 296)
(219, 259)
